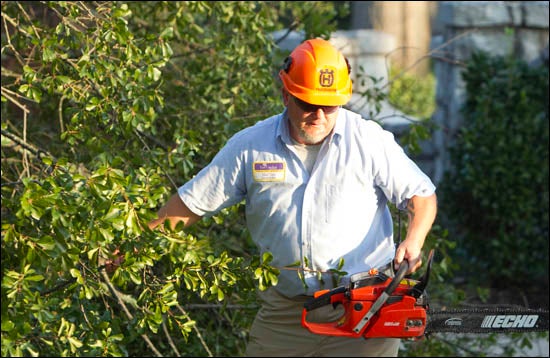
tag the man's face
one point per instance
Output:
(309, 124)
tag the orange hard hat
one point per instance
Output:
(317, 73)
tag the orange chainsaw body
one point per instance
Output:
(401, 316)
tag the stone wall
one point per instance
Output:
(500, 28)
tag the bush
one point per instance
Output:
(412, 94)
(495, 195)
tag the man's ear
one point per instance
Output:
(286, 96)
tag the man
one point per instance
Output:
(316, 179)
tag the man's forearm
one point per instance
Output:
(174, 211)
(421, 212)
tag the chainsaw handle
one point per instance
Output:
(324, 299)
(399, 275)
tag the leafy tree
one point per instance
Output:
(106, 108)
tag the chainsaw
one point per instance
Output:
(378, 306)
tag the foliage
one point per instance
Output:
(412, 94)
(473, 345)
(496, 194)
(103, 105)
(415, 96)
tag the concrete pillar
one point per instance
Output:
(408, 21)
(367, 51)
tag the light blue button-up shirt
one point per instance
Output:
(339, 212)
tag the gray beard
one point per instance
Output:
(310, 139)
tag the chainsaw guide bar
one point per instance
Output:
(487, 320)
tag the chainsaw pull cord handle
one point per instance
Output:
(399, 275)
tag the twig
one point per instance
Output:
(5, 91)
(170, 341)
(60, 113)
(29, 20)
(25, 157)
(294, 26)
(10, 45)
(429, 54)
(26, 146)
(196, 331)
(120, 301)
(140, 135)
(85, 316)
(456, 346)
(58, 287)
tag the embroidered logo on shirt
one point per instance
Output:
(268, 171)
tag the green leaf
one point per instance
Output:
(34, 278)
(75, 343)
(107, 234)
(48, 55)
(166, 288)
(167, 33)
(46, 242)
(7, 325)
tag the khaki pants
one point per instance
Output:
(277, 332)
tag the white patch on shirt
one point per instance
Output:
(268, 171)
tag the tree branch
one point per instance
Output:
(120, 301)
(196, 331)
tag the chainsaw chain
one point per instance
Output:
(470, 320)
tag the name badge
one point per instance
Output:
(268, 171)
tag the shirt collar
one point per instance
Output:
(283, 131)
